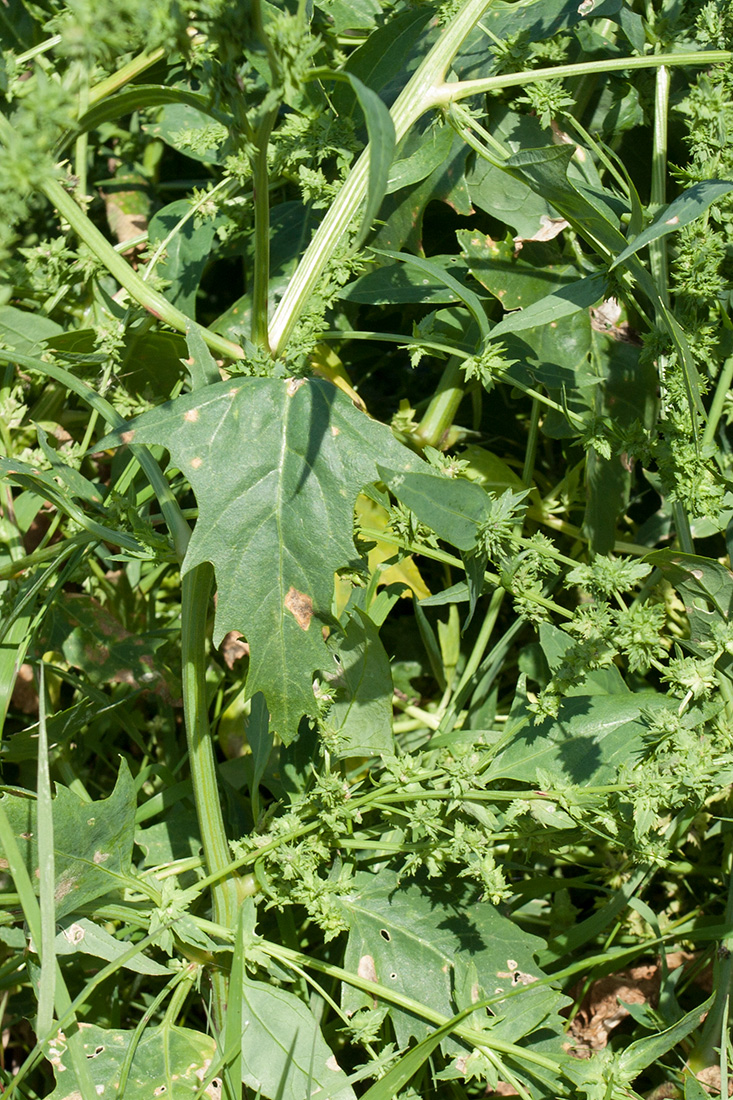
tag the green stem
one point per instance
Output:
(196, 589)
(124, 75)
(658, 251)
(470, 1035)
(82, 142)
(465, 683)
(658, 248)
(463, 89)
(261, 278)
(443, 407)
(416, 98)
(718, 403)
(136, 287)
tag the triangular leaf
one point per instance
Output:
(276, 466)
(414, 940)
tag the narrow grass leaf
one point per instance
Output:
(405, 1069)
(684, 209)
(381, 131)
(472, 301)
(47, 871)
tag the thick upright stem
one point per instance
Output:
(416, 98)
(658, 248)
(196, 589)
(443, 406)
(261, 279)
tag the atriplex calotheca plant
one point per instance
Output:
(366, 676)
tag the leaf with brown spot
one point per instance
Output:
(300, 607)
(276, 489)
(167, 1061)
(92, 841)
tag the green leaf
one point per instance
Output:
(388, 57)
(453, 507)
(624, 390)
(405, 283)
(191, 132)
(433, 270)
(137, 96)
(350, 15)
(261, 739)
(380, 129)
(705, 585)
(92, 841)
(637, 1056)
(284, 1055)
(688, 206)
(500, 194)
(432, 144)
(360, 716)
(402, 1071)
(186, 252)
(200, 363)
(545, 170)
(79, 622)
(415, 940)
(84, 937)
(586, 743)
(564, 302)
(168, 1061)
(402, 212)
(276, 466)
(517, 279)
(25, 331)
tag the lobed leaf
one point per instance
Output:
(276, 466)
(92, 841)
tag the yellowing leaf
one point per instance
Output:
(373, 516)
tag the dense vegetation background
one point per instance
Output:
(366, 675)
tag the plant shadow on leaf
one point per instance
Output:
(586, 743)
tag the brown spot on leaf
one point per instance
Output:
(191, 416)
(196, 462)
(300, 607)
(128, 436)
(294, 385)
(234, 648)
(64, 886)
